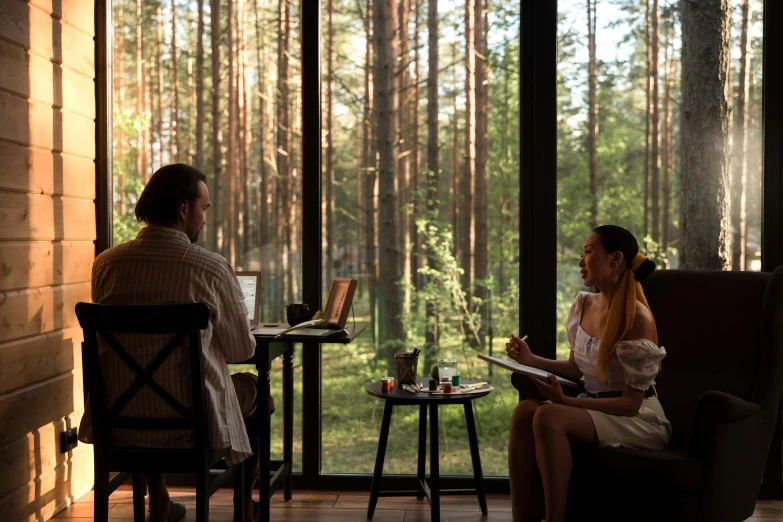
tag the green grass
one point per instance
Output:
(351, 419)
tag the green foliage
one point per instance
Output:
(128, 184)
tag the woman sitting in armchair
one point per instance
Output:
(614, 346)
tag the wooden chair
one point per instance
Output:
(183, 322)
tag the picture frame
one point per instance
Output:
(338, 304)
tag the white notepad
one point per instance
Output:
(521, 368)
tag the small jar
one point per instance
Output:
(444, 380)
(433, 385)
(387, 383)
(447, 388)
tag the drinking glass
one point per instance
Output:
(447, 368)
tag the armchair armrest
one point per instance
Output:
(725, 435)
(528, 390)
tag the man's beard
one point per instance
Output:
(194, 237)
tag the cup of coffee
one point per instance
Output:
(297, 313)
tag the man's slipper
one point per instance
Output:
(177, 512)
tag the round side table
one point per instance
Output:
(399, 397)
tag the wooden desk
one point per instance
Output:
(269, 348)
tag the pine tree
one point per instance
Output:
(433, 167)
(739, 174)
(199, 162)
(217, 137)
(384, 22)
(704, 129)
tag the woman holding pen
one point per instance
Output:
(614, 346)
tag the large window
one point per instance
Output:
(217, 84)
(421, 168)
(625, 155)
(428, 223)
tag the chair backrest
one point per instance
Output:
(716, 328)
(179, 326)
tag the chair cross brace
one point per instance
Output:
(145, 375)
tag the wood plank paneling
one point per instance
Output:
(33, 123)
(28, 217)
(32, 312)
(40, 404)
(35, 359)
(33, 76)
(77, 13)
(52, 491)
(35, 29)
(38, 171)
(47, 225)
(33, 264)
(37, 452)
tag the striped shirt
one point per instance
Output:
(161, 266)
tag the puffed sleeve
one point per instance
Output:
(639, 359)
(572, 323)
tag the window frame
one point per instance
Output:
(538, 191)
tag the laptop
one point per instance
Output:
(250, 283)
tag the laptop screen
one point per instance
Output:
(249, 282)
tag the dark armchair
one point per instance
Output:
(720, 387)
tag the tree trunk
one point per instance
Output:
(369, 168)
(667, 147)
(199, 163)
(704, 128)
(283, 149)
(384, 21)
(454, 181)
(159, 86)
(467, 182)
(592, 112)
(119, 74)
(217, 137)
(654, 152)
(174, 86)
(403, 141)
(329, 177)
(187, 154)
(262, 208)
(739, 178)
(231, 144)
(433, 168)
(245, 130)
(647, 117)
(481, 253)
(141, 156)
(415, 261)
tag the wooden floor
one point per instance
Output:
(342, 506)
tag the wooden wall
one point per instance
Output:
(47, 229)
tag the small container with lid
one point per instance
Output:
(447, 388)
(387, 383)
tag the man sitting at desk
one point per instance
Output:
(163, 266)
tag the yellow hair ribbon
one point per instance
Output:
(622, 311)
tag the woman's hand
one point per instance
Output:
(552, 390)
(518, 350)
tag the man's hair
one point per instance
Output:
(168, 188)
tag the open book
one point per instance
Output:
(521, 368)
(305, 329)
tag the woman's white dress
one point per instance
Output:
(632, 362)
